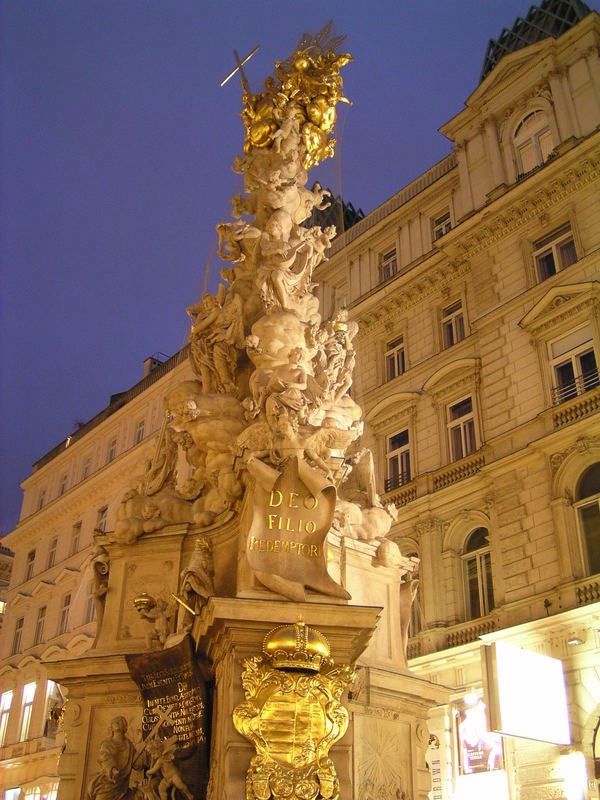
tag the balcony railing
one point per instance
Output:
(470, 631)
(396, 481)
(581, 384)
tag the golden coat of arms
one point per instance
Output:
(293, 715)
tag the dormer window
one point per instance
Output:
(533, 141)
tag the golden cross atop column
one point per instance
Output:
(240, 69)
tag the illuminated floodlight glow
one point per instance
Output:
(526, 694)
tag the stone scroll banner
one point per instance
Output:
(291, 516)
(175, 710)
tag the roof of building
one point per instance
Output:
(550, 19)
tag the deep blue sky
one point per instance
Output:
(115, 166)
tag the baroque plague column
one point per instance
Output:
(251, 612)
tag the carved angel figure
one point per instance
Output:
(115, 757)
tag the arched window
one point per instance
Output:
(478, 574)
(588, 511)
(533, 141)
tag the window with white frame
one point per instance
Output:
(75, 538)
(63, 485)
(26, 709)
(90, 605)
(461, 429)
(587, 506)
(29, 565)
(101, 518)
(441, 225)
(477, 566)
(388, 265)
(54, 704)
(17, 636)
(453, 324)
(395, 363)
(64, 614)
(112, 450)
(38, 636)
(533, 141)
(574, 364)
(51, 553)
(554, 253)
(87, 465)
(397, 460)
(139, 431)
(5, 704)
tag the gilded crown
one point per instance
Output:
(297, 647)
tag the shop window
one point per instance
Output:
(112, 451)
(478, 574)
(101, 519)
(461, 429)
(588, 512)
(64, 614)
(29, 565)
(441, 226)
(38, 636)
(453, 324)
(394, 358)
(52, 553)
(75, 538)
(388, 265)
(533, 141)
(5, 704)
(139, 431)
(554, 253)
(17, 636)
(574, 365)
(26, 709)
(397, 461)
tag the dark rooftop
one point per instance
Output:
(550, 19)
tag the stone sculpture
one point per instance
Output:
(272, 378)
(115, 757)
(196, 584)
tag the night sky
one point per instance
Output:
(115, 166)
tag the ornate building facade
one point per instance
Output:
(476, 291)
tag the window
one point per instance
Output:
(340, 296)
(16, 642)
(574, 366)
(397, 461)
(38, 637)
(29, 565)
(478, 574)
(87, 465)
(75, 536)
(388, 265)
(554, 252)
(533, 141)
(453, 324)
(101, 519)
(139, 431)
(51, 553)
(42, 499)
(5, 704)
(63, 485)
(588, 512)
(441, 226)
(112, 451)
(461, 429)
(28, 695)
(64, 614)
(394, 358)
(90, 606)
(54, 704)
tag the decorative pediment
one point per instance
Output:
(67, 572)
(80, 643)
(463, 371)
(6, 670)
(20, 597)
(27, 661)
(54, 653)
(41, 587)
(560, 303)
(390, 408)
